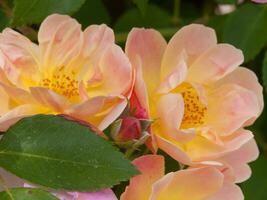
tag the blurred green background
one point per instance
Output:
(239, 22)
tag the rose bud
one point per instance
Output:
(127, 128)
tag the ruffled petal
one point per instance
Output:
(170, 110)
(20, 58)
(191, 40)
(18, 113)
(174, 78)
(113, 114)
(244, 78)
(173, 150)
(145, 48)
(97, 39)
(87, 108)
(188, 184)
(229, 191)
(215, 63)
(140, 187)
(203, 149)
(237, 106)
(4, 102)
(18, 95)
(60, 40)
(50, 99)
(238, 159)
(114, 63)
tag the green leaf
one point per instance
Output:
(264, 71)
(255, 187)
(57, 153)
(34, 11)
(92, 12)
(217, 23)
(134, 18)
(4, 21)
(26, 194)
(142, 5)
(246, 29)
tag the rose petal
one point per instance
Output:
(97, 40)
(174, 79)
(244, 78)
(188, 184)
(18, 113)
(215, 63)
(229, 191)
(191, 40)
(152, 169)
(50, 99)
(237, 105)
(145, 48)
(20, 57)
(173, 150)
(60, 40)
(170, 110)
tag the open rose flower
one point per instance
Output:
(205, 183)
(78, 73)
(197, 95)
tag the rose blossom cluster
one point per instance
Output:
(192, 90)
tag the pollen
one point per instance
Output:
(62, 83)
(194, 109)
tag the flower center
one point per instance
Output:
(194, 109)
(62, 83)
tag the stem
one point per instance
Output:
(6, 9)
(207, 10)
(176, 12)
(182, 166)
(129, 153)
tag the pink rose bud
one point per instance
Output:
(139, 111)
(130, 129)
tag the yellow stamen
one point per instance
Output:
(62, 83)
(194, 110)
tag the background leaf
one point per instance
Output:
(264, 71)
(133, 18)
(26, 194)
(34, 11)
(4, 21)
(141, 4)
(61, 154)
(246, 29)
(255, 187)
(92, 12)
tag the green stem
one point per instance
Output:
(176, 12)
(6, 9)
(129, 153)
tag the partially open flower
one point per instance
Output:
(79, 73)
(130, 129)
(196, 94)
(204, 183)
